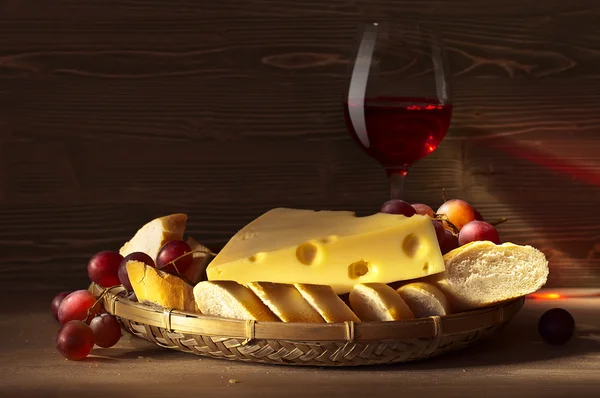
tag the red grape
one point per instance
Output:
(449, 242)
(556, 326)
(75, 307)
(56, 303)
(458, 212)
(137, 256)
(75, 340)
(169, 252)
(423, 209)
(478, 230)
(440, 232)
(103, 268)
(132, 297)
(107, 330)
(396, 206)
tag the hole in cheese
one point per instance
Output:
(329, 239)
(411, 245)
(308, 253)
(257, 257)
(358, 269)
(426, 266)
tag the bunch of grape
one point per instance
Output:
(456, 222)
(80, 312)
(83, 324)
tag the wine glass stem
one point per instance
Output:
(397, 184)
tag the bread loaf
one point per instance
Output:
(378, 302)
(264, 301)
(482, 273)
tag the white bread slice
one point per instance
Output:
(229, 299)
(326, 302)
(482, 273)
(378, 302)
(160, 288)
(424, 299)
(152, 236)
(197, 271)
(285, 302)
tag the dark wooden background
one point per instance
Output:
(114, 112)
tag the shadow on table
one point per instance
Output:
(145, 353)
(515, 344)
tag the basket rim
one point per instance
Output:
(199, 324)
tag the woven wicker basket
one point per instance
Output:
(334, 344)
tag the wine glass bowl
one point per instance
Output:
(397, 106)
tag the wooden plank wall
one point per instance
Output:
(114, 112)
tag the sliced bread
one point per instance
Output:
(326, 302)
(229, 299)
(482, 273)
(285, 302)
(424, 299)
(378, 302)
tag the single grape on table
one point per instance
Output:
(396, 206)
(107, 330)
(75, 340)
(103, 268)
(75, 307)
(556, 326)
(169, 252)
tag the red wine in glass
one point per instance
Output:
(397, 107)
(401, 130)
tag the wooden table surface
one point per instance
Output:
(514, 362)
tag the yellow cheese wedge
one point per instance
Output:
(152, 236)
(333, 248)
(160, 288)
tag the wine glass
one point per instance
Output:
(397, 106)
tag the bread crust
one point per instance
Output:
(160, 288)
